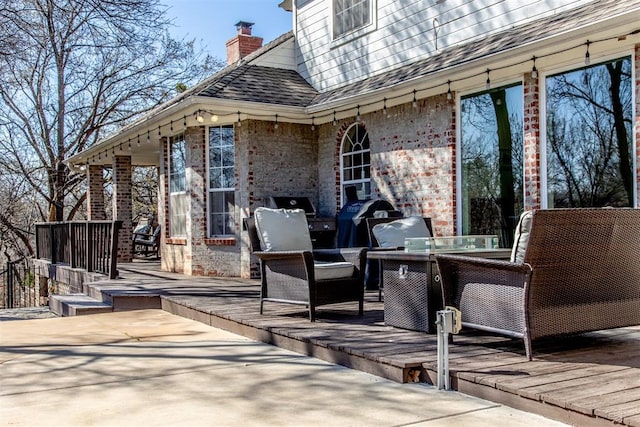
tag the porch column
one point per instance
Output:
(532, 167)
(122, 205)
(636, 121)
(95, 194)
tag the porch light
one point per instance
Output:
(449, 94)
(415, 101)
(184, 122)
(214, 118)
(199, 117)
(239, 122)
(335, 122)
(534, 70)
(313, 123)
(138, 141)
(171, 128)
(276, 124)
(129, 144)
(159, 133)
(488, 86)
(148, 136)
(587, 55)
(384, 107)
(358, 114)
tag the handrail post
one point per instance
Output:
(113, 264)
(90, 246)
(52, 244)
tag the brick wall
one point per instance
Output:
(637, 122)
(412, 160)
(95, 193)
(274, 162)
(532, 141)
(122, 205)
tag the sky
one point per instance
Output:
(212, 22)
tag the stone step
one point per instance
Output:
(123, 295)
(76, 305)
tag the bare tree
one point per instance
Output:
(589, 138)
(73, 71)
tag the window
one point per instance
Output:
(491, 185)
(356, 161)
(221, 181)
(589, 136)
(351, 15)
(177, 187)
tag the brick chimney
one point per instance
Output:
(243, 44)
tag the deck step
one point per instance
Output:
(76, 305)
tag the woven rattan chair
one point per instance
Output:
(580, 273)
(290, 276)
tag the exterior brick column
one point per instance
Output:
(637, 122)
(122, 205)
(532, 166)
(95, 194)
(197, 255)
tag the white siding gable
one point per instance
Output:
(281, 56)
(406, 31)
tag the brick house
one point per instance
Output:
(405, 100)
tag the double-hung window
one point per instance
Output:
(177, 187)
(221, 181)
(352, 16)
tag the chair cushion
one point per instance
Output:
(392, 234)
(282, 229)
(324, 270)
(521, 237)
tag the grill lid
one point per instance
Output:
(283, 202)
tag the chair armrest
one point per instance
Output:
(356, 256)
(287, 263)
(456, 271)
(269, 255)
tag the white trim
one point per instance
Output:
(353, 181)
(356, 33)
(208, 189)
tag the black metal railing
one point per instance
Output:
(18, 287)
(89, 245)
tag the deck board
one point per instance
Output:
(587, 379)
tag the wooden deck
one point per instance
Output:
(590, 379)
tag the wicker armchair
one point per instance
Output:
(580, 273)
(290, 276)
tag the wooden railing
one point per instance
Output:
(89, 245)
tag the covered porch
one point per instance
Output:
(587, 379)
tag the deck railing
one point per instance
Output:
(89, 245)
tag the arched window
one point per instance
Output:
(356, 161)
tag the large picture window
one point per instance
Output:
(589, 136)
(351, 15)
(221, 181)
(356, 161)
(177, 187)
(491, 184)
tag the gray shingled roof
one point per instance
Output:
(245, 82)
(485, 46)
(261, 84)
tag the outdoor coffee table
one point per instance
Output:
(412, 293)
